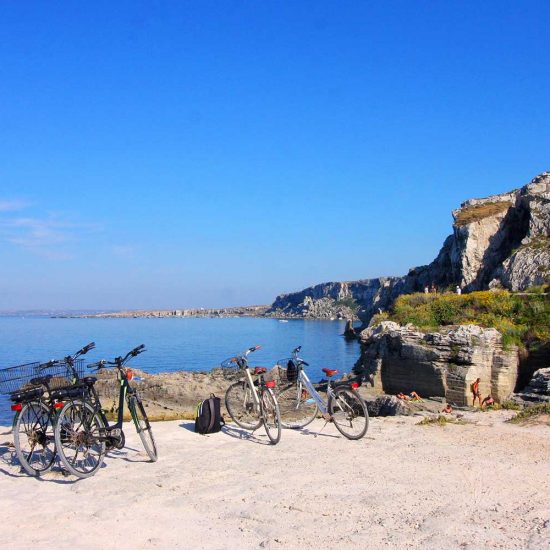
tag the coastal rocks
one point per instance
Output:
(387, 405)
(402, 359)
(538, 389)
(341, 300)
(168, 395)
(244, 311)
(502, 241)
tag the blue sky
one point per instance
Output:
(183, 154)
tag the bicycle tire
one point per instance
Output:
(33, 438)
(271, 416)
(240, 406)
(143, 426)
(298, 409)
(346, 407)
(80, 429)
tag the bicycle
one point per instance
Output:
(36, 391)
(300, 402)
(83, 434)
(251, 403)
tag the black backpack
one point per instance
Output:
(209, 419)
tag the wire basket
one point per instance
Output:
(286, 371)
(60, 375)
(233, 363)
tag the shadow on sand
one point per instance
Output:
(234, 431)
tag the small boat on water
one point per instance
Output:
(283, 321)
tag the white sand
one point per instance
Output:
(408, 486)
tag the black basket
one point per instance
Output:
(60, 375)
(287, 372)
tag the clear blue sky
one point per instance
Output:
(210, 153)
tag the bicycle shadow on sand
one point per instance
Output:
(13, 469)
(234, 431)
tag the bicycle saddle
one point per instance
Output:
(330, 372)
(260, 370)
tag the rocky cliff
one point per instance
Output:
(499, 241)
(440, 364)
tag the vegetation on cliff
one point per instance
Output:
(522, 319)
(480, 212)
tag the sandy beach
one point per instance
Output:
(482, 484)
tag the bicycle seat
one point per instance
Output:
(330, 372)
(260, 370)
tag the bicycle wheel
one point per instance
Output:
(33, 438)
(239, 402)
(80, 438)
(348, 412)
(143, 427)
(297, 407)
(271, 417)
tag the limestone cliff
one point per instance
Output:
(498, 241)
(440, 364)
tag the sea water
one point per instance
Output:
(178, 343)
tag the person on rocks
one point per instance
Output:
(475, 392)
(488, 401)
(414, 396)
(426, 289)
(458, 290)
(447, 409)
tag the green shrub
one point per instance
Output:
(510, 406)
(531, 412)
(522, 319)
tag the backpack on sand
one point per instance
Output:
(209, 419)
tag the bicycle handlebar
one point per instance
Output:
(118, 361)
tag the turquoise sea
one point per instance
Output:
(194, 344)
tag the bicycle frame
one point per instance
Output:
(304, 380)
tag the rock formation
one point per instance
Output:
(500, 241)
(402, 359)
(538, 389)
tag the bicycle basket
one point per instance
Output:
(288, 371)
(231, 363)
(15, 379)
(18, 378)
(63, 375)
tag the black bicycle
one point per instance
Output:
(83, 434)
(37, 391)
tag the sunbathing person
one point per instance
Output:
(448, 409)
(401, 395)
(414, 396)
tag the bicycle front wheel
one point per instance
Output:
(143, 427)
(239, 402)
(297, 407)
(80, 436)
(271, 416)
(33, 438)
(348, 412)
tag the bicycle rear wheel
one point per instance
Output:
(239, 402)
(271, 416)
(80, 437)
(33, 438)
(143, 427)
(348, 412)
(297, 407)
